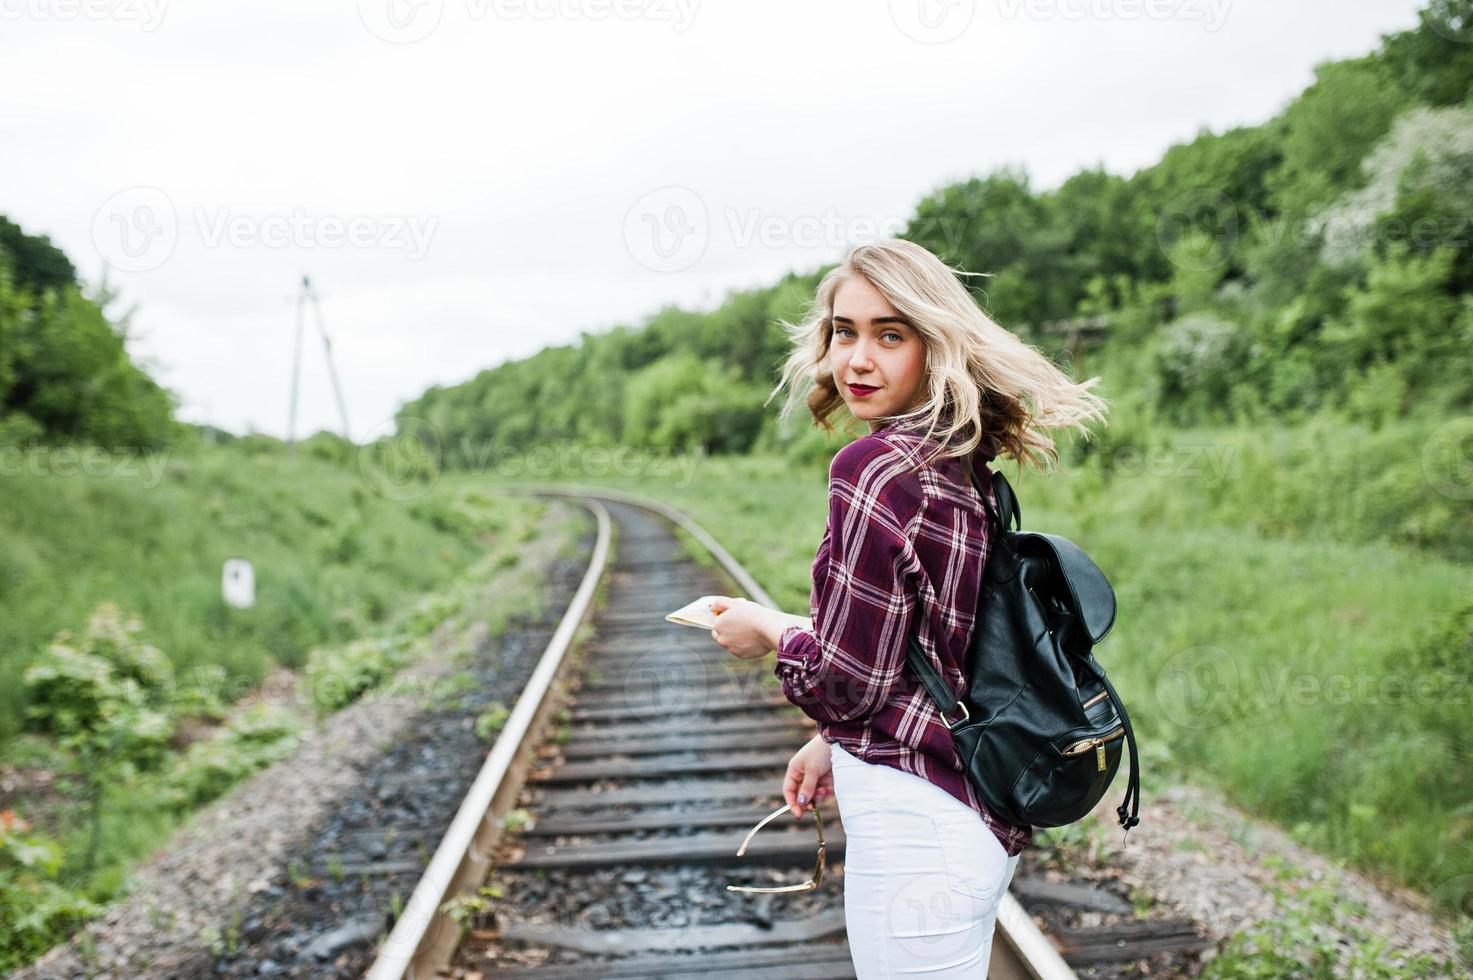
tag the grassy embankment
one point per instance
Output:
(350, 584)
(1295, 616)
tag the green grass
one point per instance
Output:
(332, 557)
(1283, 633)
(509, 538)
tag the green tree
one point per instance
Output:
(103, 697)
(1434, 61)
(1328, 130)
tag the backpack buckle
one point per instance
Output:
(966, 716)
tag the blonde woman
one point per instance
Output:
(894, 338)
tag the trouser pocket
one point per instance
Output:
(976, 862)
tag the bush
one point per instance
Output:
(252, 741)
(338, 675)
(104, 694)
(1197, 358)
(35, 911)
(491, 721)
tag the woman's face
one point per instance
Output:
(878, 359)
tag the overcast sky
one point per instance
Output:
(468, 181)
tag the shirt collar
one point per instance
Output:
(985, 451)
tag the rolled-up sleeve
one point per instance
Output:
(862, 608)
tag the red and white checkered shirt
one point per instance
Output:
(904, 549)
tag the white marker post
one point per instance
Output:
(238, 583)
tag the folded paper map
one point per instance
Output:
(697, 613)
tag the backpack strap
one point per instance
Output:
(1006, 499)
(915, 656)
(1132, 801)
(935, 686)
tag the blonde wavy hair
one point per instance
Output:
(984, 382)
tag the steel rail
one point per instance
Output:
(424, 946)
(424, 937)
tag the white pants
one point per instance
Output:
(923, 875)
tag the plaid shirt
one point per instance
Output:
(903, 551)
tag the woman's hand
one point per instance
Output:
(745, 627)
(810, 776)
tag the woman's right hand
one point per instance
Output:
(810, 776)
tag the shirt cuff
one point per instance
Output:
(785, 652)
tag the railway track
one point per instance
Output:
(613, 801)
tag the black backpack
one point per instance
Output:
(1039, 729)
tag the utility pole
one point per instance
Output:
(306, 294)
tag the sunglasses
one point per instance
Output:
(806, 886)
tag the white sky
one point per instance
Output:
(504, 164)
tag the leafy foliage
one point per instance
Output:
(1318, 261)
(36, 911)
(65, 372)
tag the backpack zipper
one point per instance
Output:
(1084, 745)
(1096, 699)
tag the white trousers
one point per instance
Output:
(923, 875)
